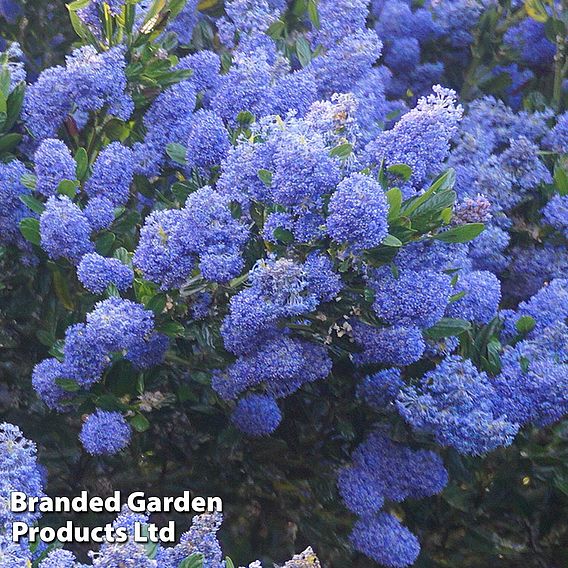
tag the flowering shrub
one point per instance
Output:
(268, 223)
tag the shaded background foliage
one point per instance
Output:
(509, 509)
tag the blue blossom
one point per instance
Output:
(339, 19)
(64, 230)
(482, 296)
(281, 365)
(385, 540)
(521, 160)
(246, 87)
(53, 163)
(413, 298)
(208, 141)
(343, 65)
(182, 25)
(358, 212)
(99, 212)
(157, 255)
(421, 138)
(528, 38)
(533, 382)
(167, 121)
(381, 388)
(257, 415)
(113, 172)
(44, 377)
(89, 82)
(399, 471)
(280, 288)
(548, 306)
(105, 433)
(295, 91)
(148, 352)
(85, 356)
(360, 491)
(459, 406)
(96, 273)
(555, 213)
(201, 538)
(404, 54)
(206, 66)
(557, 138)
(19, 471)
(303, 169)
(12, 210)
(13, 61)
(388, 346)
(487, 250)
(58, 558)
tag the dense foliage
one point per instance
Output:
(309, 256)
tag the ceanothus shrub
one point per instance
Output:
(280, 212)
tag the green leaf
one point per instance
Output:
(283, 235)
(33, 204)
(394, 199)
(14, 105)
(265, 176)
(313, 13)
(140, 423)
(342, 151)
(172, 328)
(68, 385)
(391, 241)
(448, 327)
(457, 297)
(29, 227)
(304, 52)
(157, 303)
(536, 9)
(442, 183)
(229, 563)
(78, 5)
(68, 187)
(9, 141)
(525, 324)
(29, 181)
(561, 180)
(193, 561)
(400, 170)
(82, 160)
(104, 243)
(177, 153)
(61, 285)
(111, 402)
(461, 234)
(245, 118)
(123, 255)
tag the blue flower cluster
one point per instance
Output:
(386, 470)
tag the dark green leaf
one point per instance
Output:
(394, 198)
(561, 180)
(400, 170)
(193, 561)
(68, 187)
(303, 51)
(68, 385)
(82, 161)
(140, 423)
(9, 141)
(29, 227)
(391, 241)
(172, 328)
(33, 204)
(29, 181)
(461, 234)
(104, 243)
(177, 153)
(342, 151)
(265, 176)
(525, 324)
(447, 327)
(284, 235)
